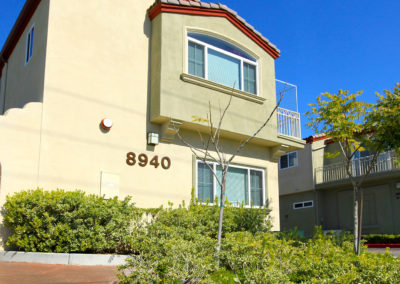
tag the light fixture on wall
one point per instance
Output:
(106, 123)
(152, 139)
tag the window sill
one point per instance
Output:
(221, 88)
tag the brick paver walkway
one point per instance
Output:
(32, 273)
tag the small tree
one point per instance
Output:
(355, 126)
(384, 119)
(212, 150)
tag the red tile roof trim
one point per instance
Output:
(161, 7)
(22, 21)
(314, 138)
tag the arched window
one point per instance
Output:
(221, 62)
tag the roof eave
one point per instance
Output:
(20, 24)
(162, 7)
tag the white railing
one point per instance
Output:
(385, 162)
(288, 122)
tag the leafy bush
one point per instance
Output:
(204, 219)
(66, 221)
(167, 255)
(381, 239)
(178, 245)
(265, 259)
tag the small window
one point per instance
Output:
(288, 160)
(303, 204)
(221, 62)
(244, 185)
(29, 44)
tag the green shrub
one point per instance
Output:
(203, 219)
(69, 221)
(178, 245)
(265, 259)
(381, 239)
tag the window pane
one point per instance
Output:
(28, 44)
(256, 187)
(308, 204)
(298, 205)
(204, 183)
(249, 77)
(222, 45)
(293, 159)
(284, 161)
(196, 59)
(223, 69)
(31, 42)
(236, 185)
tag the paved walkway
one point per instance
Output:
(32, 273)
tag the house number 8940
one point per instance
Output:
(142, 160)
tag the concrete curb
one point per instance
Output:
(63, 258)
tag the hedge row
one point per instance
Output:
(169, 255)
(178, 245)
(381, 239)
(65, 221)
(72, 221)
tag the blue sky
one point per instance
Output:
(325, 45)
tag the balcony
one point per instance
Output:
(288, 117)
(385, 162)
(288, 122)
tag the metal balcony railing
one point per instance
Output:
(385, 162)
(288, 122)
(288, 117)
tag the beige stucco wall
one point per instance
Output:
(97, 65)
(23, 83)
(299, 178)
(19, 151)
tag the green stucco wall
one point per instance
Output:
(168, 53)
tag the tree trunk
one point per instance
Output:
(221, 209)
(360, 219)
(355, 218)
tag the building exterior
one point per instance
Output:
(85, 83)
(315, 190)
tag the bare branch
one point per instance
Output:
(242, 145)
(223, 114)
(192, 148)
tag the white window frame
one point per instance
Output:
(289, 167)
(303, 205)
(29, 44)
(242, 60)
(215, 183)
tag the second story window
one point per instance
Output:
(29, 44)
(288, 160)
(221, 62)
